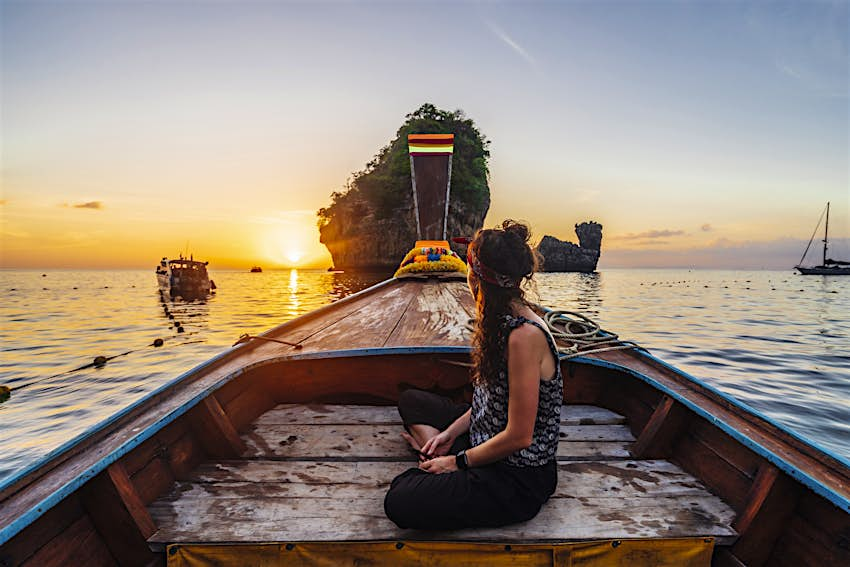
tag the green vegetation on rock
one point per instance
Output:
(384, 184)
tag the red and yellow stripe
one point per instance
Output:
(430, 144)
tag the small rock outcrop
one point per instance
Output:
(562, 256)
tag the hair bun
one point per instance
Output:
(516, 228)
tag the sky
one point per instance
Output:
(700, 134)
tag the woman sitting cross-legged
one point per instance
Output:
(493, 463)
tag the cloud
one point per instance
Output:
(664, 233)
(96, 205)
(509, 41)
(706, 228)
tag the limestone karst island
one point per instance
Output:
(369, 224)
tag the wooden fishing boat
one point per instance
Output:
(186, 278)
(279, 451)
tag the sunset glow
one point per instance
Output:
(133, 131)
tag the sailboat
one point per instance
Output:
(829, 267)
(279, 451)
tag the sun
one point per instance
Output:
(294, 255)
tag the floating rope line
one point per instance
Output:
(98, 362)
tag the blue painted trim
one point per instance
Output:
(74, 484)
(100, 426)
(743, 405)
(836, 498)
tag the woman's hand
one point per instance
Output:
(439, 465)
(438, 445)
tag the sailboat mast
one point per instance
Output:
(826, 234)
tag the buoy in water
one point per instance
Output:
(180, 329)
(99, 361)
(158, 342)
(5, 393)
(171, 315)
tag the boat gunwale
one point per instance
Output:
(720, 396)
(9, 531)
(838, 499)
(57, 456)
(54, 498)
(25, 519)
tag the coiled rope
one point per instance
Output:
(584, 334)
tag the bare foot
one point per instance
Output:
(410, 440)
(413, 444)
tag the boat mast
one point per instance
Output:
(826, 234)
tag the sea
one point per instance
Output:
(777, 341)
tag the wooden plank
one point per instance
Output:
(244, 409)
(32, 489)
(434, 317)
(589, 415)
(656, 438)
(370, 326)
(57, 520)
(625, 479)
(626, 396)
(184, 455)
(385, 441)
(803, 544)
(762, 486)
(309, 414)
(214, 429)
(718, 474)
(154, 479)
(464, 298)
(119, 515)
(78, 545)
(770, 503)
(596, 433)
(823, 468)
(357, 519)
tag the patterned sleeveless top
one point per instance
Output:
(490, 407)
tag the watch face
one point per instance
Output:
(460, 460)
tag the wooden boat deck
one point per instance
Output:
(319, 473)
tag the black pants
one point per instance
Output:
(492, 495)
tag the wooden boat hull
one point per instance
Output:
(90, 502)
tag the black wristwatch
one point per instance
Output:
(461, 460)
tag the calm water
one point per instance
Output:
(777, 341)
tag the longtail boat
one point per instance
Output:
(280, 450)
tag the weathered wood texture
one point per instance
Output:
(56, 521)
(320, 473)
(377, 317)
(820, 466)
(119, 516)
(356, 442)
(364, 320)
(215, 430)
(816, 534)
(315, 414)
(80, 544)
